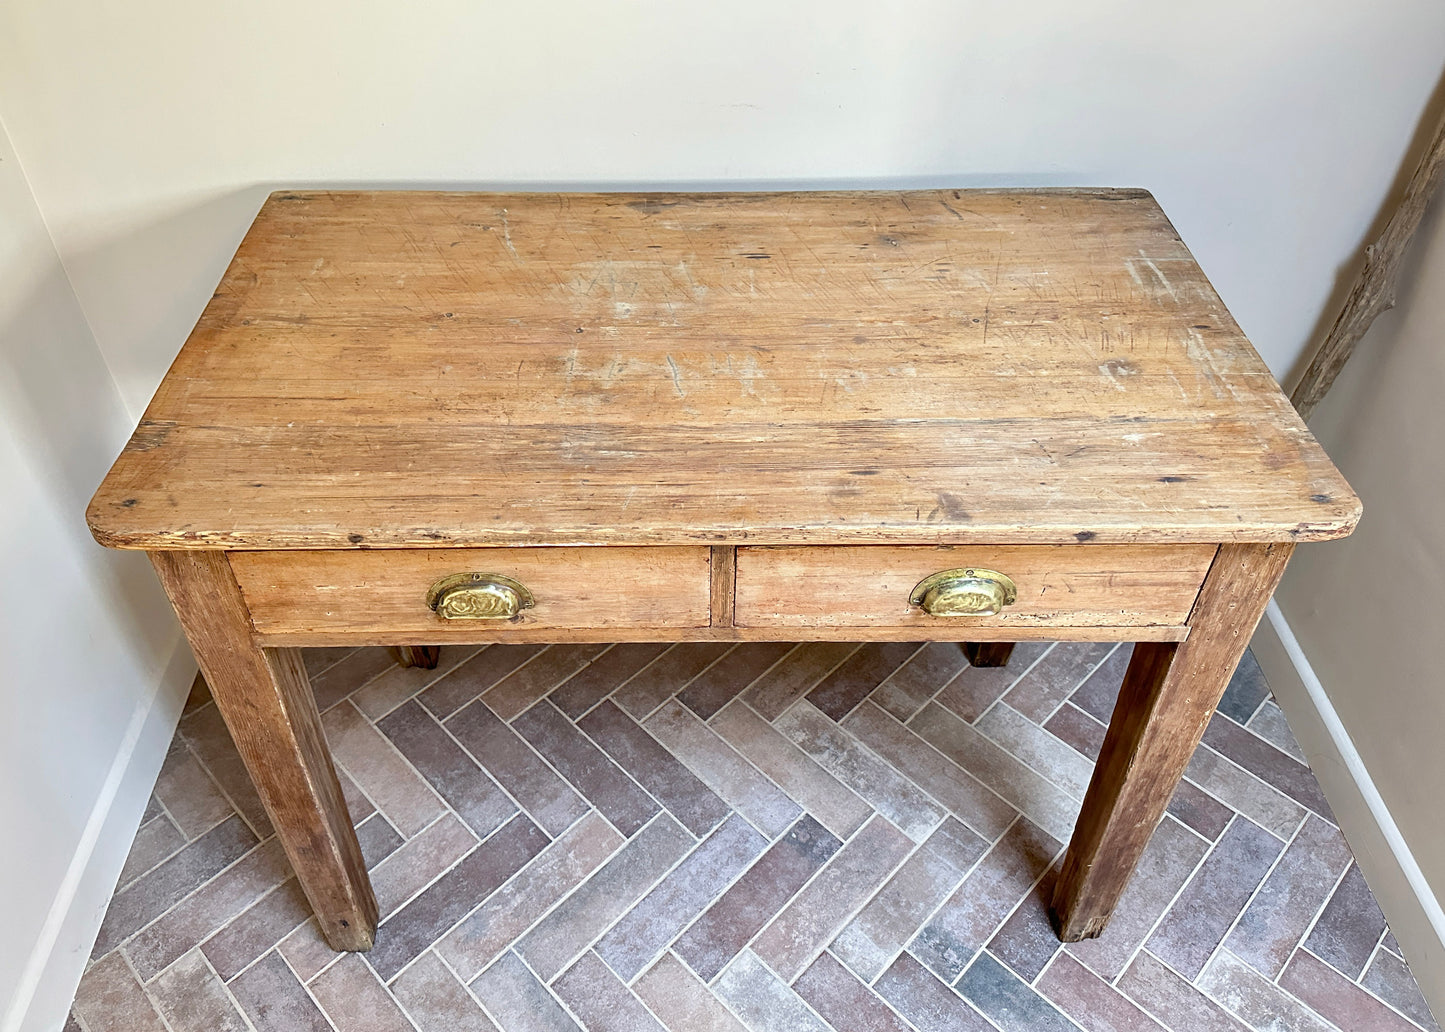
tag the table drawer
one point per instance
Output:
(385, 592)
(1065, 586)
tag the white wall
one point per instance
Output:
(152, 128)
(85, 634)
(1368, 611)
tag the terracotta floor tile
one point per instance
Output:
(762, 1000)
(1046, 803)
(1214, 897)
(649, 763)
(796, 675)
(1172, 1000)
(979, 906)
(1040, 750)
(538, 676)
(665, 676)
(1081, 732)
(1257, 1001)
(339, 680)
(192, 999)
(155, 892)
(1280, 913)
(1199, 810)
(926, 1002)
(904, 691)
(602, 676)
(556, 871)
(511, 904)
(746, 906)
(419, 861)
(843, 689)
(1349, 926)
(111, 1000)
(516, 766)
(818, 912)
(720, 683)
(851, 762)
(380, 771)
(1091, 1001)
(972, 802)
(740, 784)
(596, 995)
(1026, 941)
(256, 930)
(975, 689)
(603, 898)
(205, 732)
(683, 1003)
(448, 768)
(869, 942)
(518, 1001)
(352, 998)
(275, 1001)
(409, 931)
(436, 1001)
(207, 909)
(1054, 677)
(686, 891)
(155, 840)
(1266, 806)
(1390, 979)
(1170, 858)
(834, 804)
(603, 783)
(190, 797)
(843, 1001)
(397, 684)
(1009, 1003)
(1267, 763)
(1246, 690)
(448, 694)
(1098, 692)
(1270, 724)
(1335, 997)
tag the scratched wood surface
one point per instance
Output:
(392, 369)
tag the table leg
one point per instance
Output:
(424, 656)
(988, 653)
(265, 698)
(1169, 693)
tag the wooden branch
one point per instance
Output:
(1373, 291)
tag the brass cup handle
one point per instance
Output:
(478, 596)
(964, 592)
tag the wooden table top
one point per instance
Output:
(389, 369)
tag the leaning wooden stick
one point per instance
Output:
(1374, 289)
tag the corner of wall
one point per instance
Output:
(62, 949)
(1413, 911)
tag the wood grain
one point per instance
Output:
(988, 653)
(374, 594)
(266, 701)
(424, 656)
(1169, 693)
(476, 632)
(1373, 291)
(1058, 585)
(436, 370)
(724, 581)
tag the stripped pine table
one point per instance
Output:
(977, 416)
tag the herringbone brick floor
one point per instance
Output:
(765, 837)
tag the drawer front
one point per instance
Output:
(385, 591)
(868, 586)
